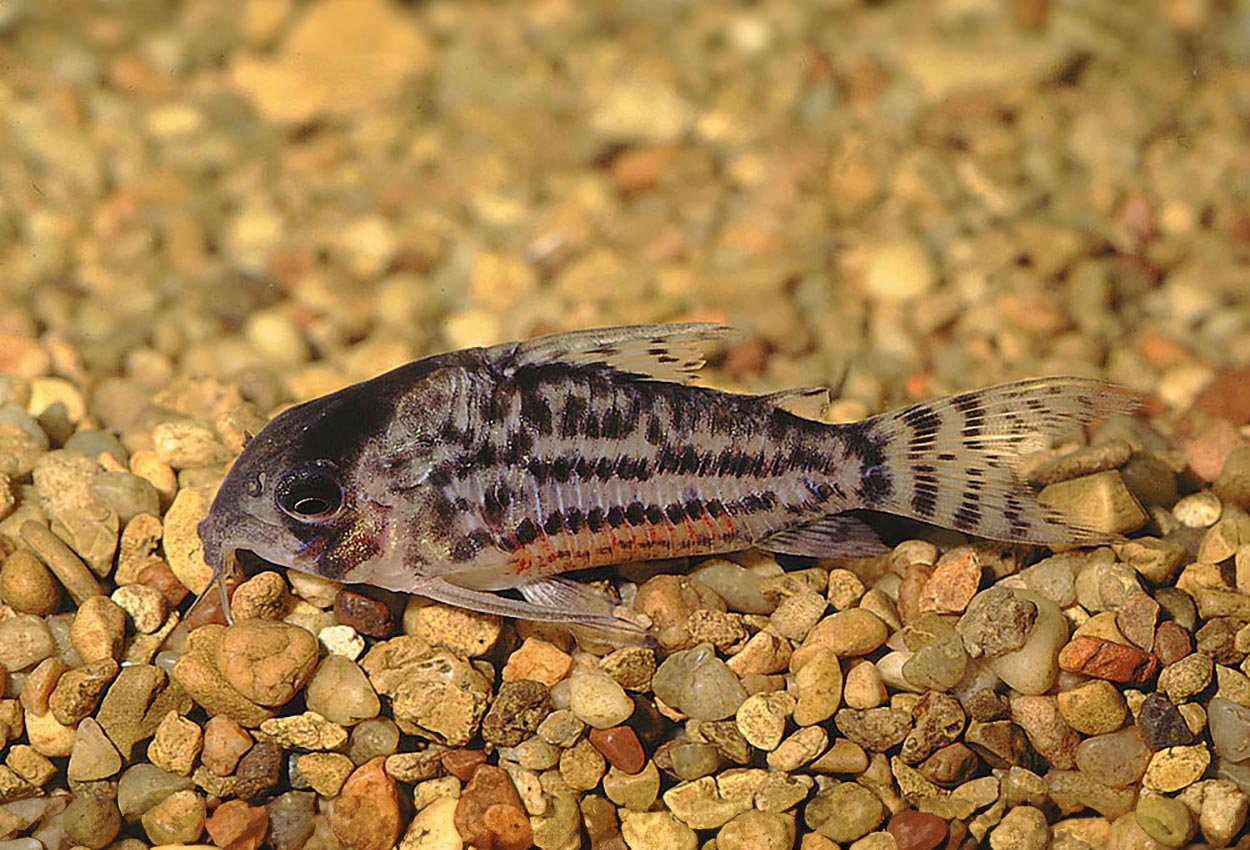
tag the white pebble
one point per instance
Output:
(1198, 510)
(342, 640)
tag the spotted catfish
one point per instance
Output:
(492, 469)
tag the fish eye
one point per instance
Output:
(310, 493)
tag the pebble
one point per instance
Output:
(657, 831)
(1165, 819)
(818, 687)
(27, 586)
(538, 660)
(1198, 510)
(913, 830)
(1233, 484)
(762, 718)
(91, 819)
(582, 766)
(799, 749)
(621, 747)
(764, 653)
(340, 691)
(1118, 759)
(366, 813)
(795, 615)
(306, 731)
(739, 587)
(1172, 642)
(1107, 659)
(850, 634)
(225, 742)
(1093, 708)
(953, 582)
(862, 686)
(938, 720)
(699, 684)
(632, 667)
(1100, 501)
(1074, 790)
(176, 744)
(938, 665)
(93, 756)
(699, 804)
(875, 729)
(996, 622)
(1136, 619)
(1040, 719)
(99, 629)
(598, 701)
(178, 819)
(1186, 678)
(518, 708)
(1173, 768)
(24, 642)
(466, 633)
(1222, 811)
(1229, 724)
(490, 813)
(844, 812)
(143, 605)
(1022, 828)
(79, 582)
(181, 541)
(694, 760)
(636, 791)
(235, 825)
(125, 494)
(756, 829)
(1032, 668)
(267, 662)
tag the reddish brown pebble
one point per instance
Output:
(157, 574)
(1136, 619)
(1226, 397)
(365, 814)
(913, 830)
(1106, 659)
(237, 826)
(225, 742)
(367, 616)
(209, 608)
(462, 763)
(489, 814)
(259, 771)
(1172, 642)
(621, 747)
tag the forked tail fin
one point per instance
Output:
(955, 461)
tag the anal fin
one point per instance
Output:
(832, 536)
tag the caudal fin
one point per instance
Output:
(955, 461)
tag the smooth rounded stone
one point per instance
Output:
(178, 819)
(1233, 483)
(799, 749)
(92, 442)
(1229, 724)
(762, 718)
(94, 756)
(818, 686)
(340, 692)
(1165, 819)
(795, 615)
(1052, 578)
(1186, 678)
(91, 820)
(938, 665)
(657, 831)
(265, 661)
(756, 830)
(598, 701)
(1022, 828)
(1093, 708)
(1032, 668)
(291, 820)
(1118, 759)
(372, 738)
(849, 634)
(127, 494)
(890, 671)
(699, 684)
(1100, 501)
(862, 686)
(738, 586)
(434, 827)
(1174, 768)
(28, 586)
(24, 641)
(693, 760)
(635, 791)
(1198, 510)
(844, 812)
(913, 830)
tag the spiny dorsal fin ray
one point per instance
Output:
(663, 352)
(955, 462)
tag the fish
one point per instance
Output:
(479, 477)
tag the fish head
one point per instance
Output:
(293, 495)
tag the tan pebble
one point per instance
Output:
(699, 804)
(631, 667)
(47, 736)
(432, 789)
(636, 792)
(464, 632)
(766, 652)
(78, 691)
(340, 691)
(186, 443)
(313, 589)
(878, 602)
(181, 542)
(762, 718)
(863, 687)
(266, 662)
(953, 582)
(28, 586)
(819, 688)
(325, 772)
(848, 633)
(24, 640)
(74, 575)
(582, 766)
(646, 830)
(137, 548)
(30, 764)
(1093, 708)
(1198, 510)
(99, 629)
(225, 742)
(845, 589)
(143, 604)
(1173, 768)
(92, 755)
(176, 744)
(1022, 828)
(1100, 501)
(176, 820)
(795, 615)
(307, 731)
(198, 674)
(92, 534)
(39, 684)
(538, 660)
(146, 464)
(799, 749)
(263, 597)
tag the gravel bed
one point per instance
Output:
(209, 211)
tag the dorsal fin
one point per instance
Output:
(667, 352)
(804, 402)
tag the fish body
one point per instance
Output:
(495, 468)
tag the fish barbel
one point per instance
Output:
(490, 469)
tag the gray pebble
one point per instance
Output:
(94, 442)
(128, 495)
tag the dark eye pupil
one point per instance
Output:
(309, 494)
